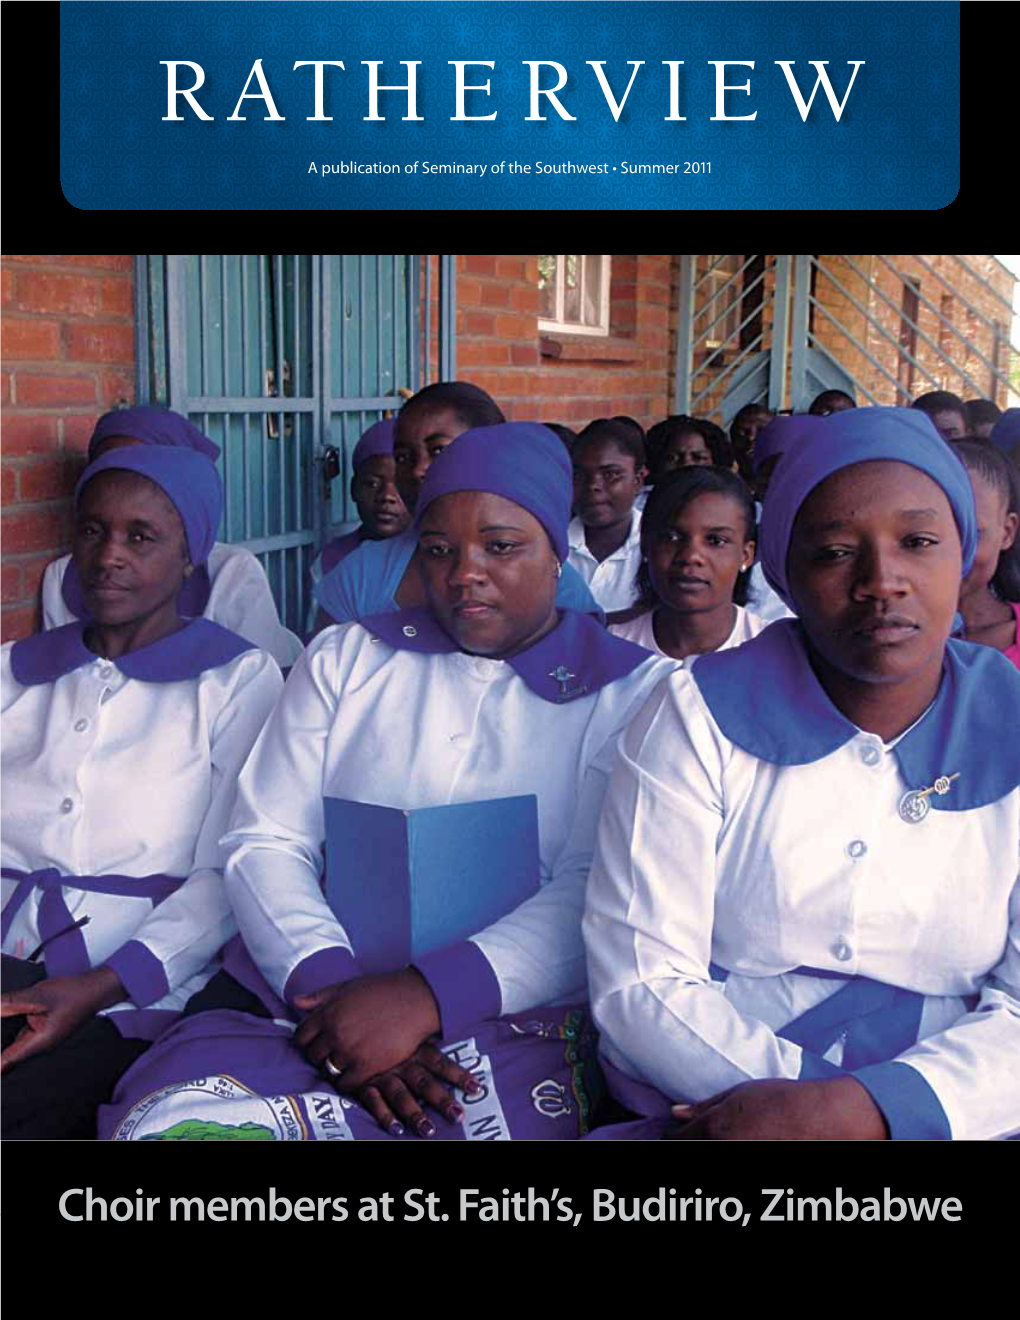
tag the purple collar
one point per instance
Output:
(574, 660)
(198, 646)
(192, 598)
(766, 698)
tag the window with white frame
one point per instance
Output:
(575, 294)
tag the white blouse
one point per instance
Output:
(109, 775)
(360, 719)
(642, 631)
(611, 580)
(240, 599)
(707, 854)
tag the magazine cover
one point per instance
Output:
(422, 105)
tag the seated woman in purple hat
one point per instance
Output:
(122, 741)
(383, 575)
(487, 691)
(231, 588)
(374, 492)
(803, 918)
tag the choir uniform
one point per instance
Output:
(779, 894)
(391, 712)
(119, 778)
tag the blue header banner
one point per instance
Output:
(450, 105)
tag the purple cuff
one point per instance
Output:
(325, 967)
(908, 1103)
(464, 984)
(141, 973)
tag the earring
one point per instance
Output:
(559, 570)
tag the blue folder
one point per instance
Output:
(404, 883)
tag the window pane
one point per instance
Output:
(572, 292)
(592, 290)
(547, 286)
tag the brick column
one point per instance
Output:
(68, 356)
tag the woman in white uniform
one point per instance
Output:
(698, 538)
(122, 741)
(231, 587)
(486, 692)
(803, 915)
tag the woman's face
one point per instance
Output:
(489, 572)
(694, 560)
(130, 550)
(607, 480)
(422, 434)
(374, 491)
(746, 429)
(685, 449)
(996, 532)
(874, 568)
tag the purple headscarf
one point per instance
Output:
(781, 434)
(1006, 431)
(523, 461)
(378, 439)
(859, 435)
(153, 426)
(190, 481)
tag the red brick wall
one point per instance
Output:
(553, 377)
(68, 356)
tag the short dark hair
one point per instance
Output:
(746, 410)
(984, 459)
(635, 425)
(471, 404)
(675, 493)
(564, 432)
(615, 430)
(680, 424)
(979, 412)
(817, 401)
(936, 401)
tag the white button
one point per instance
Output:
(81, 726)
(66, 806)
(871, 755)
(857, 848)
(842, 950)
(410, 631)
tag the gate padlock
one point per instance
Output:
(330, 468)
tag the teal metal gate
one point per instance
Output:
(279, 359)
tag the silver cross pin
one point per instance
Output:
(914, 806)
(562, 675)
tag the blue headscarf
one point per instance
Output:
(153, 426)
(378, 439)
(190, 481)
(781, 434)
(523, 461)
(859, 435)
(1006, 431)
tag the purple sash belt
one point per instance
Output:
(66, 954)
